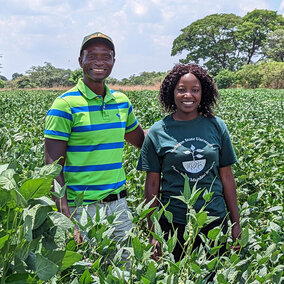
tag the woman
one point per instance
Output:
(192, 141)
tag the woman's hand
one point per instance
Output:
(236, 234)
(156, 248)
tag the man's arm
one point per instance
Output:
(54, 149)
(135, 137)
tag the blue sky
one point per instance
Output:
(36, 31)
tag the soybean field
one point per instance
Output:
(36, 241)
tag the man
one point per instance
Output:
(87, 126)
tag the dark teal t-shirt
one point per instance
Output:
(198, 148)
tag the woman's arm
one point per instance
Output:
(152, 188)
(230, 195)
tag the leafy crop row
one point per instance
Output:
(36, 244)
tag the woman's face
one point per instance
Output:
(187, 97)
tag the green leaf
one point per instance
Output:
(186, 188)
(70, 258)
(207, 196)
(3, 241)
(45, 269)
(245, 237)
(86, 277)
(59, 191)
(138, 249)
(151, 272)
(144, 213)
(79, 199)
(234, 259)
(171, 242)
(211, 264)
(212, 234)
(7, 180)
(51, 170)
(201, 218)
(169, 216)
(195, 267)
(252, 199)
(60, 220)
(145, 280)
(221, 279)
(3, 168)
(215, 249)
(35, 188)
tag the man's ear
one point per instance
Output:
(80, 61)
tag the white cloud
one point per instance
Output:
(281, 8)
(35, 31)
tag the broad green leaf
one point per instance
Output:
(169, 216)
(35, 188)
(201, 218)
(86, 277)
(7, 180)
(195, 267)
(51, 170)
(138, 249)
(145, 280)
(27, 228)
(171, 242)
(151, 272)
(60, 220)
(245, 237)
(45, 269)
(212, 234)
(70, 258)
(252, 199)
(3, 168)
(211, 264)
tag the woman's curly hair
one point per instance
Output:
(209, 93)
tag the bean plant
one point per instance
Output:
(36, 241)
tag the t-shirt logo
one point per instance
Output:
(197, 164)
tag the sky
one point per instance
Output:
(33, 32)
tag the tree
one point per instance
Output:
(211, 40)
(49, 76)
(3, 78)
(16, 76)
(274, 46)
(253, 31)
(226, 41)
(76, 75)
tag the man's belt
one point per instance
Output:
(113, 197)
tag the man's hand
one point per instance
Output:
(77, 236)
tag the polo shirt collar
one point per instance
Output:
(88, 93)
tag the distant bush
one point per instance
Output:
(23, 82)
(225, 79)
(2, 84)
(262, 75)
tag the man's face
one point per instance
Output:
(96, 61)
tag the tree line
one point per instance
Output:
(237, 51)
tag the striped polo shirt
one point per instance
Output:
(94, 128)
